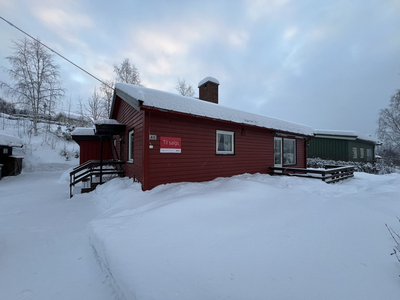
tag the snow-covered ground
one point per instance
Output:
(245, 237)
(251, 237)
(45, 253)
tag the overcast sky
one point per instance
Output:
(325, 64)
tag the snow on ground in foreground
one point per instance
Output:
(45, 252)
(251, 237)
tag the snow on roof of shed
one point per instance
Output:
(346, 133)
(209, 78)
(107, 121)
(177, 103)
(10, 141)
(83, 131)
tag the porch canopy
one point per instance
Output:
(109, 127)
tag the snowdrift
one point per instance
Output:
(250, 237)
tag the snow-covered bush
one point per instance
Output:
(380, 167)
(58, 132)
(65, 134)
(64, 152)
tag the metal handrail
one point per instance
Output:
(89, 169)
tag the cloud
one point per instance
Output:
(237, 38)
(169, 48)
(7, 4)
(57, 18)
(290, 33)
(257, 9)
(64, 19)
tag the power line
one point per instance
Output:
(11, 24)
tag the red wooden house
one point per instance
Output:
(90, 145)
(171, 138)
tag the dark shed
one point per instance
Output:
(10, 164)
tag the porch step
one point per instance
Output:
(91, 188)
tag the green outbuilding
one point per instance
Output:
(342, 145)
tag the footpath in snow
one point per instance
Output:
(44, 249)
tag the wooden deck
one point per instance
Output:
(329, 175)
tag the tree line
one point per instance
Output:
(389, 130)
(37, 87)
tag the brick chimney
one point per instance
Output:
(208, 89)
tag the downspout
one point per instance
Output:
(146, 158)
(306, 150)
(101, 159)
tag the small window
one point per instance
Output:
(354, 152)
(130, 145)
(225, 143)
(5, 150)
(361, 152)
(289, 151)
(369, 154)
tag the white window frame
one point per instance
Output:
(225, 152)
(131, 139)
(355, 152)
(294, 152)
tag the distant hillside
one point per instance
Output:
(51, 149)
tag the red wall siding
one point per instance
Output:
(198, 160)
(90, 150)
(301, 153)
(126, 114)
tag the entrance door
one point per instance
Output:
(278, 153)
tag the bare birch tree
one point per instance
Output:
(184, 88)
(389, 127)
(35, 77)
(127, 73)
(81, 111)
(107, 93)
(94, 106)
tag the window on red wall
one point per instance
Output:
(289, 152)
(225, 143)
(131, 137)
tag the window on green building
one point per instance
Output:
(354, 152)
(369, 154)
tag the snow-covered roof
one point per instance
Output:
(71, 115)
(83, 131)
(173, 102)
(10, 141)
(107, 121)
(209, 78)
(346, 134)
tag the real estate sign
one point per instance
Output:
(170, 144)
